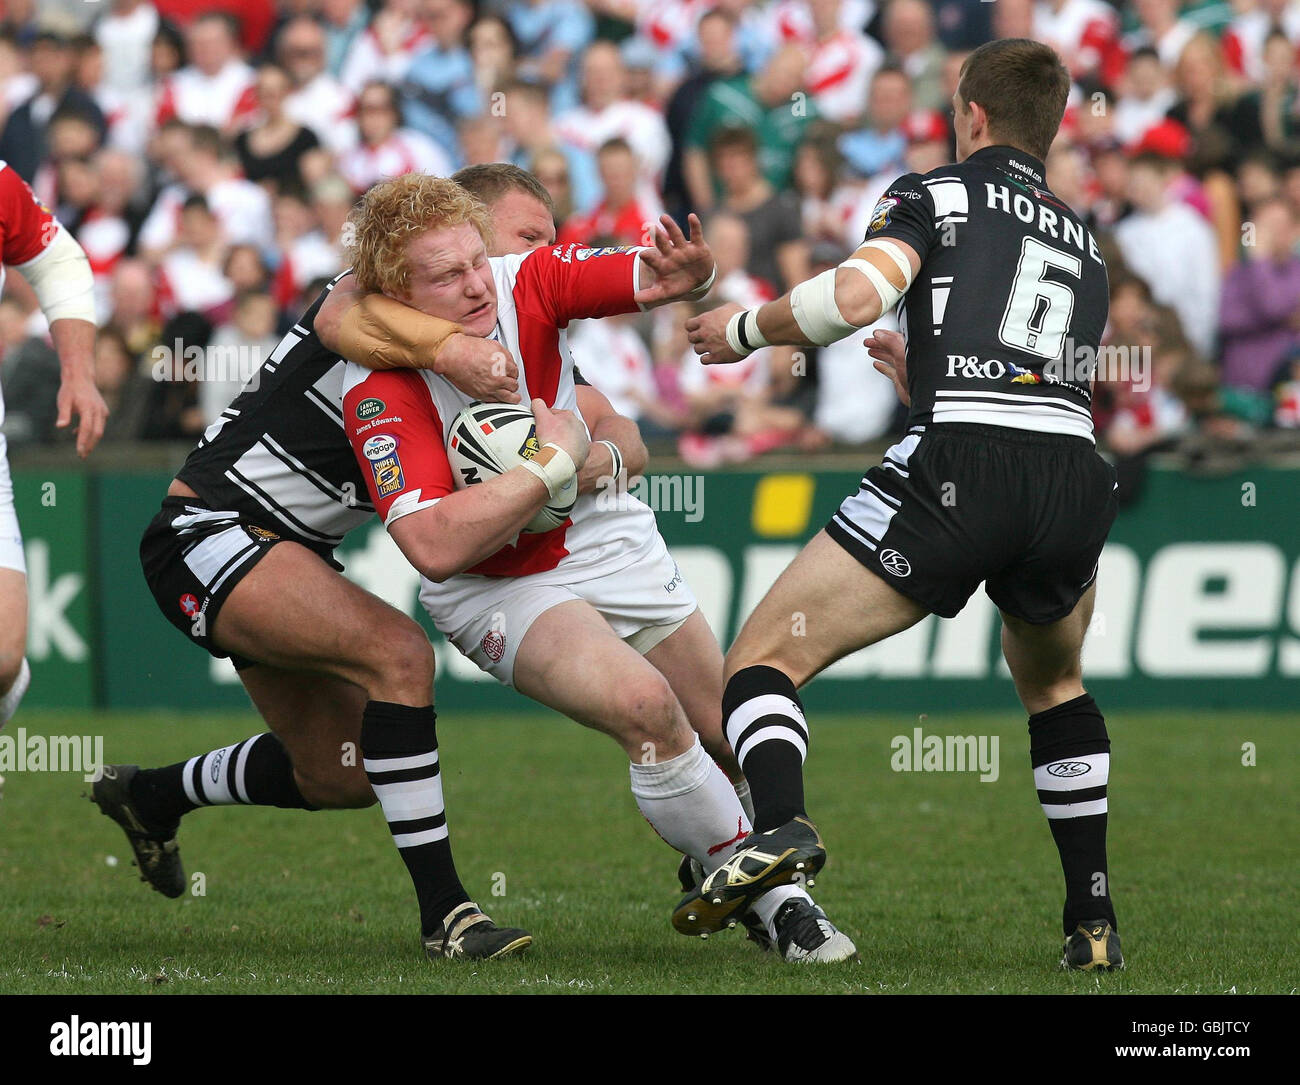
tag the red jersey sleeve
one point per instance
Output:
(573, 282)
(396, 436)
(27, 226)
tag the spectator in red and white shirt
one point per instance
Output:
(217, 86)
(1085, 33)
(386, 47)
(242, 208)
(607, 112)
(318, 101)
(621, 217)
(191, 277)
(1243, 41)
(841, 61)
(386, 148)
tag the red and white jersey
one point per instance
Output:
(538, 294)
(839, 74)
(242, 208)
(368, 60)
(222, 100)
(27, 226)
(792, 21)
(327, 107)
(405, 151)
(1084, 32)
(1243, 41)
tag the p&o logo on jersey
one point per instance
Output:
(895, 563)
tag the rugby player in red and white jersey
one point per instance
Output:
(46, 255)
(603, 584)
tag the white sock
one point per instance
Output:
(770, 903)
(690, 802)
(10, 701)
(746, 799)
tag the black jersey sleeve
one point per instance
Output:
(905, 212)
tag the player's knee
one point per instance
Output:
(11, 665)
(648, 710)
(402, 659)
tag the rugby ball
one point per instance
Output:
(488, 439)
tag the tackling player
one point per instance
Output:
(997, 480)
(603, 584)
(34, 243)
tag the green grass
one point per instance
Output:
(947, 884)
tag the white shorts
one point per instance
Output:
(644, 599)
(11, 538)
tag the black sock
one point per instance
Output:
(255, 772)
(764, 723)
(400, 749)
(1070, 751)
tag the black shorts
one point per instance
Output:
(956, 504)
(193, 557)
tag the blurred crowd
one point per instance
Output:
(206, 154)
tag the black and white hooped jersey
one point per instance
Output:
(278, 454)
(1004, 320)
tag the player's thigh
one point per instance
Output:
(1046, 660)
(824, 606)
(294, 612)
(318, 718)
(572, 661)
(691, 660)
(13, 625)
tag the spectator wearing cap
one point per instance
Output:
(317, 99)
(768, 105)
(23, 143)
(607, 112)
(1260, 312)
(216, 87)
(387, 148)
(620, 216)
(1173, 248)
(529, 126)
(879, 145)
(778, 250)
(439, 90)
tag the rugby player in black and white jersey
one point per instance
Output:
(997, 480)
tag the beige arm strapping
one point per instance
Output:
(380, 333)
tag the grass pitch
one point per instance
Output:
(947, 884)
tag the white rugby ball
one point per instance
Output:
(488, 439)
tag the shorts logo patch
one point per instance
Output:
(494, 645)
(388, 475)
(379, 447)
(189, 605)
(262, 533)
(1067, 769)
(895, 563)
(880, 216)
(370, 408)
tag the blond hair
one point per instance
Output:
(394, 213)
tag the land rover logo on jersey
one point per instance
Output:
(880, 216)
(530, 447)
(370, 408)
(1068, 768)
(895, 563)
(379, 446)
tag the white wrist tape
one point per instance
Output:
(743, 335)
(556, 473)
(61, 279)
(616, 468)
(704, 287)
(816, 312)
